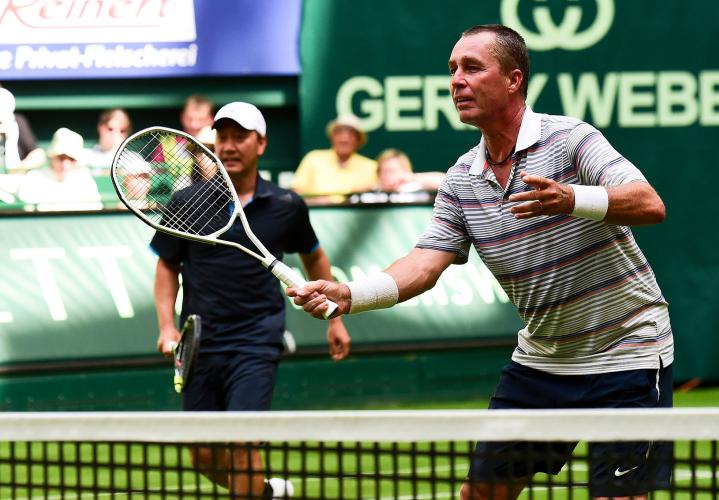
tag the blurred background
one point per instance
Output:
(77, 322)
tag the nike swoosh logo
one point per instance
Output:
(619, 472)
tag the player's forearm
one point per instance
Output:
(167, 285)
(317, 265)
(418, 271)
(634, 204)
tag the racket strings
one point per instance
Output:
(207, 204)
(199, 207)
(183, 189)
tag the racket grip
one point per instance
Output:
(290, 278)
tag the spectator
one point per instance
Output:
(113, 127)
(136, 176)
(339, 170)
(207, 137)
(64, 185)
(197, 113)
(395, 174)
(18, 148)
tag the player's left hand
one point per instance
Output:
(548, 198)
(338, 339)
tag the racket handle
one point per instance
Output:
(290, 278)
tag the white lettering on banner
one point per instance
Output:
(391, 103)
(107, 257)
(642, 98)
(40, 258)
(626, 99)
(96, 21)
(566, 35)
(41, 58)
(6, 58)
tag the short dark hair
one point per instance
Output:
(109, 114)
(199, 100)
(509, 49)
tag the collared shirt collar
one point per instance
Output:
(262, 188)
(530, 131)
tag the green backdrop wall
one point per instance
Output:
(78, 327)
(645, 72)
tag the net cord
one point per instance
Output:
(391, 426)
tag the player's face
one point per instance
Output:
(195, 117)
(345, 141)
(237, 148)
(478, 85)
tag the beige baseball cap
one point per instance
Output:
(244, 114)
(349, 121)
(66, 142)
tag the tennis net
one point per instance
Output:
(347, 454)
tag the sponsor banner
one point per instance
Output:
(80, 286)
(46, 39)
(644, 72)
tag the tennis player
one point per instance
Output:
(546, 202)
(240, 302)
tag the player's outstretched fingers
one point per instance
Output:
(316, 306)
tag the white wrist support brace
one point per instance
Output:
(590, 202)
(378, 291)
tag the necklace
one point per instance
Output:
(495, 163)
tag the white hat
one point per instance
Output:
(7, 103)
(134, 164)
(207, 135)
(349, 121)
(244, 114)
(66, 142)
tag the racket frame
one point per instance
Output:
(283, 272)
(182, 380)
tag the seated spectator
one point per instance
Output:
(197, 113)
(395, 174)
(339, 170)
(207, 137)
(63, 185)
(18, 148)
(135, 174)
(113, 127)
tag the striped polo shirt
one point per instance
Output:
(586, 293)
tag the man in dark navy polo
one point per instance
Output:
(240, 302)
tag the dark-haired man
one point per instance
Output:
(240, 302)
(546, 202)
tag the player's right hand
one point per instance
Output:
(167, 341)
(313, 297)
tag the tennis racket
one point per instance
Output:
(185, 352)
(176, 185)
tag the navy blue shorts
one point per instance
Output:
(616, 469)
(231, 381)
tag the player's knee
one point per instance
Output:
(203, 459)
(471, 492)
(483, 491)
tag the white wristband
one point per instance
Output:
(590, 202)
(378, 291)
